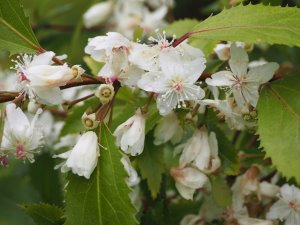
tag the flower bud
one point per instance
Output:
(89, 121)
(105, 93)
(77, 71)
(97, 14)
(33, 107)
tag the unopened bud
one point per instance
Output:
(89, 121)
(33, 107)
(105, 93)
(77, 71)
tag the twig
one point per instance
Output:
(72, 103)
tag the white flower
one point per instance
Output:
(40, 79)
(83, 158)
(253, 221)
(107, 48)
(245, 185)
(97, 14)
(202, 151)
(191, 219)
(229, 111)
(133, 178)
(113, 50)
(21, 137)
(175, 83)
(244, 85)
(158, 3)
(168, 129)
(287, 208)
(188, 179)
(131, 134)
(130, 14)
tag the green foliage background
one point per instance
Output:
(58, 27)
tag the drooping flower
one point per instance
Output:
(175, 83)
(131, 134)
(242, 83)
(168, 129)
(202, 150)
(287, 208)
(98, 13)
(188, 179)
(83, 158)
(133, 178)
(21, 137)
(40, 79)
(113, 49)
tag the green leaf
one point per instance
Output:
(252, 24)
(93, 65)
(16, 34)
(220, 191)
(15, 188)
(279, 124)
(48, 186)
(180, 27)
(228, 154)
(73, 122)
(138, 33)
(103, 199)
(44, 214)
(151, 166)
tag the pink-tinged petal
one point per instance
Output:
(238, 61)
(222, 78)
(262, 74)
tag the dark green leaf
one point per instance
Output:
(150, 163)
(103, 199)
(44, 214)
(48, 186)
(16, 34)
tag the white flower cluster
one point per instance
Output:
(124, 16)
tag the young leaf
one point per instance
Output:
(279, 124)
(16, 34)
(150, 163)
(103, 199)
(44, 214)
(253, 23)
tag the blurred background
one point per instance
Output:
(59, 27)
